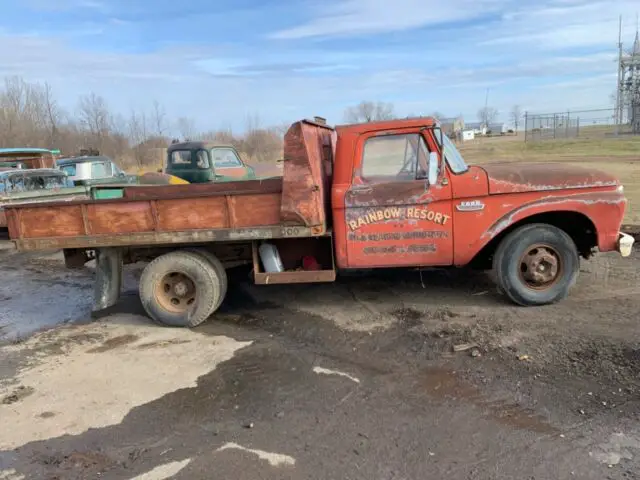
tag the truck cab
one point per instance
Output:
(203, 162)
(94, 170)
(26, 158)
(404, 196)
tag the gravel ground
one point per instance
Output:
(394, 376)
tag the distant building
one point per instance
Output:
(480, 129)
(468, 135)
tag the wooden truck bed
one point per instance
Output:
(292, 206)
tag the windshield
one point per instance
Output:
(451, 153)
(225, 158)
(69, 169)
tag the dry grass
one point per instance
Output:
(619, 156)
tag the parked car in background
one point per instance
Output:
(26, 158)
(203, 162)
(94, 170)
(35, 185)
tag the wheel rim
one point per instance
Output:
(176, 292)
(540, 267)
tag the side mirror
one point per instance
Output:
(433, 168)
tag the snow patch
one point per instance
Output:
(274, 459)
(326, 371)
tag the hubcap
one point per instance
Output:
(540, 267)
(176, 292)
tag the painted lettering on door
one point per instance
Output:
(398, 213)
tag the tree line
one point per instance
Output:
(31, 116)
(368, 111)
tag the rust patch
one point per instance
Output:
(308, 168)
(114, 343)
(515, 178)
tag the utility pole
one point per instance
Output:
(486, 112)
(618, 115)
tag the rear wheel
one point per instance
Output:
(180, 289)
(219, 268)
(536, 265)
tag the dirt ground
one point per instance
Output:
(354, 380)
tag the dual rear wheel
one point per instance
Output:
(183, 288)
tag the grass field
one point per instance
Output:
(619, 156)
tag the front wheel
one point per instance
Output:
(536, 265)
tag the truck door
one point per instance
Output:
(394, 217)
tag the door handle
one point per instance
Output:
(365, 189)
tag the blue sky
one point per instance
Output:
(220, 61)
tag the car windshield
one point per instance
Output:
(69, 169)
(451, 153)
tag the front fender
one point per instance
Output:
(605, 209)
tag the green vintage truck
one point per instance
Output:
(204, 162)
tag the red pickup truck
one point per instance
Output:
(386, 194)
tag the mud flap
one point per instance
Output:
(108, 281)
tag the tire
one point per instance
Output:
(219, 268)
(524, 265)
(180, 289)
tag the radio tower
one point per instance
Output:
(628, 91)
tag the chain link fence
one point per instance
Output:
(579, 124)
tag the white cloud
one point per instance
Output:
(58, 5)
(520, 49)
(356, 17)
(558, 24)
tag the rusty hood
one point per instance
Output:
(532, 177)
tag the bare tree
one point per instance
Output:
(487, 115)
(53, 113)
(186, 127)
(516, 115)
(138, 127)
(30, 115)
(369, 112)
(159, 119)
(437, 115)
(94, 115)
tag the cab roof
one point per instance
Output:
(82, 159)
(359, 128)
(197, 144)
(7, 152)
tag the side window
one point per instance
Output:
(55, 182)
(225, 158)
(401, 157)
(202, 159)
(181, 157)
(99, 170)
